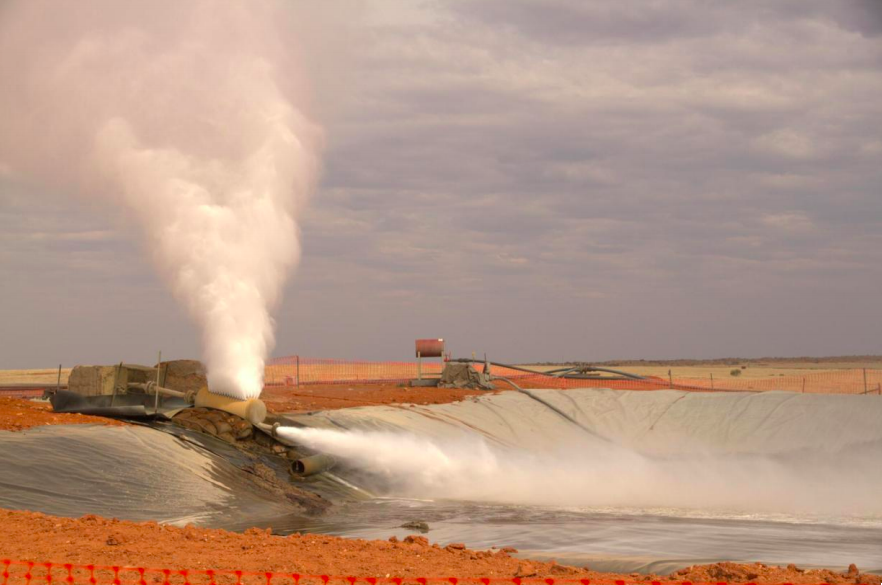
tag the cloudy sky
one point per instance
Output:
(548, 180)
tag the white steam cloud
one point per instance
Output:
(602, 475)
(190, 116)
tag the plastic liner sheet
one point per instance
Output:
(128, 406)
(660, 423)
(132, 473)
(827, 446)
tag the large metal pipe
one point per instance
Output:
(312, 465)
(154, 388)
(252, 410)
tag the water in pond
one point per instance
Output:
(628, 481)
(620, 480)
(621, 540)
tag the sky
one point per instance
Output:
(538, 180)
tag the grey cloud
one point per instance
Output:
(733, 169)
(584, 180)
(574, 22)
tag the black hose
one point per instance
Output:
(552, 407)
(558, 372)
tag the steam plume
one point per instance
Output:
(595, 474)
(189, 115)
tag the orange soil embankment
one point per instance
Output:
(17, 415)
(31, 536)
(334, 396)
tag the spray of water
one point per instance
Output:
(596, 474)
(188, 115)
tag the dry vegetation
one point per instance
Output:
(37, 376)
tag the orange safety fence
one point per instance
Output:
(15, 392)
(32, 573)
(834, 382)
(299, 371)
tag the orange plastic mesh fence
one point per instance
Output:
(31, 573)
(13, 392)
(835, 382)
(296, 370)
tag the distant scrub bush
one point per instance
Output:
(735, 372)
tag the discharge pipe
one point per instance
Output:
(313, 464)
(305, 466)
(154, 388)
(253, 410)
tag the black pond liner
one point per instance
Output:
(140, 473)
(123, 406)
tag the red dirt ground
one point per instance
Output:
(334, 396)
(17, 415)
(31, 536)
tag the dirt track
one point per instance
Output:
(94, 540)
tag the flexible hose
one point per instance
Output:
(556, 373)
(551, 407)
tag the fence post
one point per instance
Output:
(298, 371)
(865, 382)
(712, 380)
(803, 384)
(670, 379)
